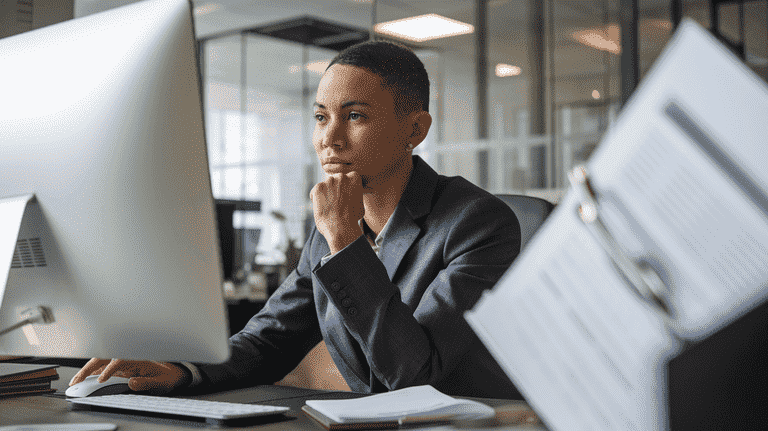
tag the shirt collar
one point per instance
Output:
(380, 237)
(416, 198)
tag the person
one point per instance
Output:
(397, 256)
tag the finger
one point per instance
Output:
(356, 179)
(88, 369)
(319, 193)
(109, 370)
(166, 378)
(354, 176)
(153, 384)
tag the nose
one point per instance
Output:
(333, 134)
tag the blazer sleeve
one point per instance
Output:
(406, 346)
(275, 340)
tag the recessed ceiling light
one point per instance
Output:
(318, 66)
(503, 70)
(206, 8)
(603, 38)
(423, 27)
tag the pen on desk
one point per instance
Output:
(412, 421)
(513, 414)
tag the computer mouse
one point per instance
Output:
(90, 387)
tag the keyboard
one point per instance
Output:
(212, 411)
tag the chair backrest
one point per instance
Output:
(530, 211)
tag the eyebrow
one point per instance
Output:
(345, 104)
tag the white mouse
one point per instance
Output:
(90, 387)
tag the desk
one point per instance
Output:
(54, 408)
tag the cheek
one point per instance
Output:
(317, 140)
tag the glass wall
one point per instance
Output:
(555, 94)
(257, 132)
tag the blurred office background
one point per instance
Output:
(517, 101)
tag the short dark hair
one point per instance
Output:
(401, 71)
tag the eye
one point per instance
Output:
(355, 116)
(319, 118)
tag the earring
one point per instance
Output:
(410, 147)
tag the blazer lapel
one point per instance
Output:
(403, 233)
(415, 203)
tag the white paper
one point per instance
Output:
(681, 186)
(408, 402)
(583, 349)
(707, 212)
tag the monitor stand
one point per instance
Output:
(12, 212)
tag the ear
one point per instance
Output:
(420, 122)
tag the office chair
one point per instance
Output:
(530, 211)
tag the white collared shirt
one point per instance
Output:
(377, 243)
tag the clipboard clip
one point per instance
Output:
(642, 277)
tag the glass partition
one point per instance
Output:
(561, 70)
(257, 131)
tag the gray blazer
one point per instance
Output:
(394, 322)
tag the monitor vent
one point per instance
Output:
(28, 254)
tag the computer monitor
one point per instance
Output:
(102, 147)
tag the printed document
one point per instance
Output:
(681, 190)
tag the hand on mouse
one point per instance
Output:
(156, 377)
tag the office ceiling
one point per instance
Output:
(507, 27)
(507, 19)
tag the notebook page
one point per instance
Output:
(408, 402)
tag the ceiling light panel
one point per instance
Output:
(423, 27)
(206, 9)
(605, 38)
(503, 70)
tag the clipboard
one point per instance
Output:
(659, 244)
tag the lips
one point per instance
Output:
(335, 161)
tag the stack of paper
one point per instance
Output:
(26, 379)
(388, 408)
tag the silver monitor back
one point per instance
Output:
(101, 120)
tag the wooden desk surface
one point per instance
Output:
(54, 408)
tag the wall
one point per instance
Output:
(15, 16)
